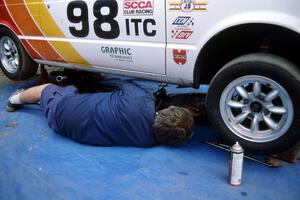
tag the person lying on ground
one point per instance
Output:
(125, 117)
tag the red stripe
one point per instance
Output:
(31, 51)
(28, 27)
(7, 20)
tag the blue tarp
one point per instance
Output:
(36, 163)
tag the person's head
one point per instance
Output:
(173, 125)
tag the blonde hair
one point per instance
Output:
(173, 125)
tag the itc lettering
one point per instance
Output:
(133, 27)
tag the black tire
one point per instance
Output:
(272, 67)
(26, 68)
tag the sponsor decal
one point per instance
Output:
(140, 26)
(120, 54)
(182, 28)
(179, 56)
(184, 21)
(138, 7)
(183, 35)
(188, 6)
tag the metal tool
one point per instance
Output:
(227, 148)
(61, 78)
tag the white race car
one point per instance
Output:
(248, 51)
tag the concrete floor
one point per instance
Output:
(36, 163)
(4, 80)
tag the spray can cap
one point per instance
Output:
(237, 148)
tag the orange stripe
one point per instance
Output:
(39, 45)
(7, 20)
(27, 25)
(30, 50)
(21, 16)
(201, 3)
(50, 28)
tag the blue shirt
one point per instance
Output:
(123, 117)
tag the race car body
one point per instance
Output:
(186, 42)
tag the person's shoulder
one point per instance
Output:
(134, 89)
(130, 86)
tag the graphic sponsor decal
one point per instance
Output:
(138, 7)
(179, 56)
(120, 54)
(182, 28)
(188, 6)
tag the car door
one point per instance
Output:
(116, 34)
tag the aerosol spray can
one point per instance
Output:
(236, 164)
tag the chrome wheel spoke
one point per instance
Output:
(10, 60)
(236, 104)
(271, 124)
(277, 110)
(16, 61)
(7, 53)
(256, 89)
(242, 91)
(271, 96)
(6, 46)
(241, 117)
(9, 43)
(255, 124)
(13, 62)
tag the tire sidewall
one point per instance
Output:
(271, 71)
(21, 53)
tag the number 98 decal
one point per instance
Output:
(114, 32)
(83, 18)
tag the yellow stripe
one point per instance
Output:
(200, 3)
(38, 8)
(175, 4)
(34, 4)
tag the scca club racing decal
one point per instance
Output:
(188, 6)
(138, 7)
(134, 26)
(182, 28)
(179, 56)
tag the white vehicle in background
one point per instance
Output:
(248, 51)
